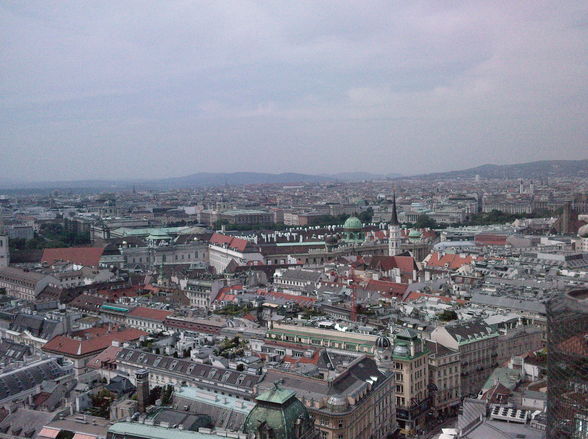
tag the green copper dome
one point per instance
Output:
(414, 234)
(278, 414)
(353, 223)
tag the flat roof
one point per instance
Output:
(211, 398)
(325, 333)
(154, 431)
(296, 244)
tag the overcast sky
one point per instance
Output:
(128, 89)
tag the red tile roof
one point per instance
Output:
(226, 291)
(449, 260)
(237, 244)
(48, 432)
(301, 300)
(87, 256)
(40, 398)
(75, 347)
(108, 355)
(150, 313)
(406, 264)
(490, 239)
(87, 302)
(386, 287)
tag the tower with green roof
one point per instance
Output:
(278, 414)
(353, 231)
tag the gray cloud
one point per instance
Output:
(137, 88)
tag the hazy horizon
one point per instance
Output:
(148, 90)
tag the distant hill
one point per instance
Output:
(200, 179)
(544, 168)
(218, 179)
(360, 176)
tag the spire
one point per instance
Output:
(394, 221)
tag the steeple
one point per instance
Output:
(394, 221)
(394, 238)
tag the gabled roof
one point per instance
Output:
(149, 313)
(490, 239)
(449, 261)
(237, 244)
(385, 287)
(406, 264)
(468, 331)
(108, 355)
(87, 256)
(68, 346)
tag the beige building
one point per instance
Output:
(411, 371)
(327, 338)
(224, 250)
(444, 378)
(24, 284)
(476, 343)
(519, 341)
(357, 404)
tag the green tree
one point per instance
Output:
(65, 434)
(17, 244)
(447, 315)
(154, 394)
(101, 402)
(425, 221)
(366, 215)
(166, 395)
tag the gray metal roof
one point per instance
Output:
(504, 302)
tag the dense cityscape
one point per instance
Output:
(285, 219)
(421, 307)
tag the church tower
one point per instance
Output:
(394, 231)
(4, 251)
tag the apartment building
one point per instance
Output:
(444, 378)
(476, 343)
(24, 284)
(358, 403)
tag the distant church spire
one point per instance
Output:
(394, 238)
(394, 220)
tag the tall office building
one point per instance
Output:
(567, 366)
(4, 251)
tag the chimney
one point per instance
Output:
(142, 378)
